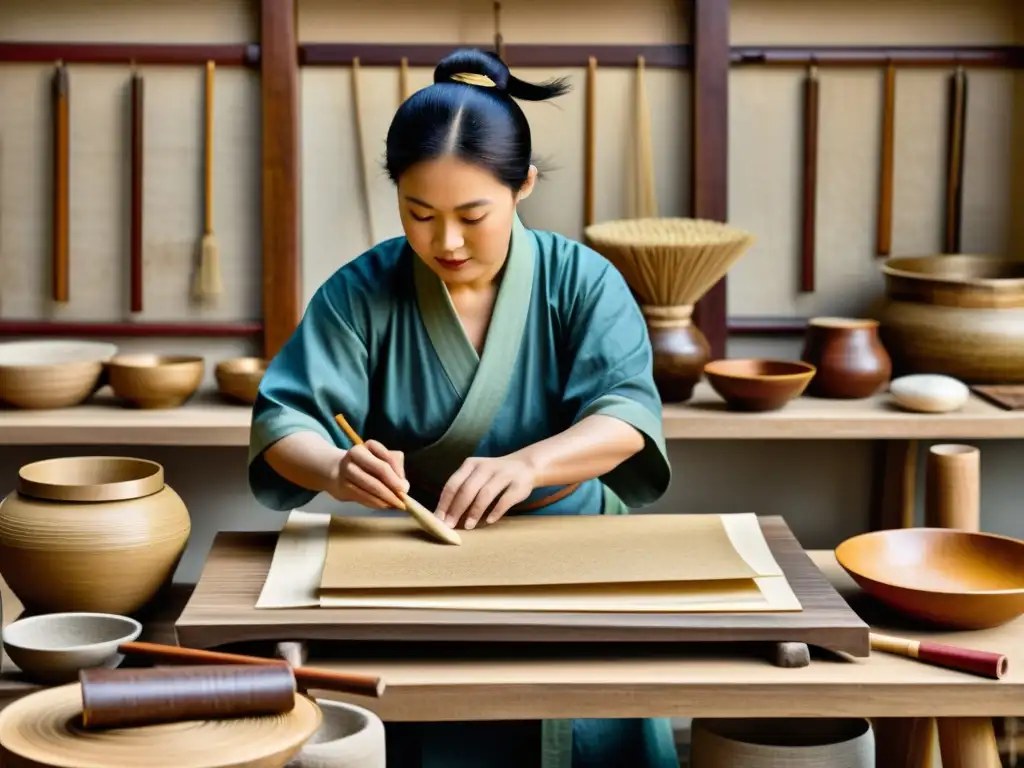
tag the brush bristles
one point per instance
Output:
(669, 261)
(208, 282)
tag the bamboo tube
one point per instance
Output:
(590, 143)
(61, 185)
(953, 487)
(981, 663)
(403, 80)
(955, 161)
(810, 181)
(364, 171)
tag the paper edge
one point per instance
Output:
(293, 580)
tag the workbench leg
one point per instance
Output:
(904, 742)
(894, 496)
(968, 742)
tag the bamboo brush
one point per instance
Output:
(208, 279)
(417, 511)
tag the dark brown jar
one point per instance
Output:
(849, 356)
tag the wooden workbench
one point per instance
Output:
(207, 420)
(446, 683)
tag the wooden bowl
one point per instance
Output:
(956, 579)
(239, 378)
(758, 385)
(51, 373)
(53, 647)
(156, 381)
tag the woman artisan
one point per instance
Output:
(492, 368)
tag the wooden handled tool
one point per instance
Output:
(119, 698)
(305, 677)
(417, 511)
(208, 282)
(810, 181)
(136, 193)
(955, 162)
(983, 663)
(885, 177)
(61, 184)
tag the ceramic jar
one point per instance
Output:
(958, 315)
(92, 533)
(849, 356)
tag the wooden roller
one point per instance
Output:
(61, 185)
(305, 677)
(119, 698)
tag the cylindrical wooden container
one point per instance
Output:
(953, 487)
(782, 743)
(100, 534)
(349, 737)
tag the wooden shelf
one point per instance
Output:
(208, 420)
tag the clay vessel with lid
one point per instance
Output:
(849, 356)
(91, 533)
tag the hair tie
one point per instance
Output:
(472, 78)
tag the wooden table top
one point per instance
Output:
(464, 684)
(208, 420)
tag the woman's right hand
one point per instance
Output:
(371, 475)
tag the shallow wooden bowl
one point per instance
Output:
(156, 381)
(239, 378)
(758, 385)
(956, 579)
(52, 373)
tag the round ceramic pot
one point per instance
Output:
(349, 736)
(680, 351)
(783, 743)
(962, 316)
(94, 533)
(850, 359)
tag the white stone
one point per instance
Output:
(929, 393)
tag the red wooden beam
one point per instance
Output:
(709, 25)
(282, 268)
(80, 329)
(225, 55)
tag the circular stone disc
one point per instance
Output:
(45, 729)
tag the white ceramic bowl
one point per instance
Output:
(929, 393)
(53, 647)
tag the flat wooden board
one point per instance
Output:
(1008, 396)
(222, 610)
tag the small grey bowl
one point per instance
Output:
(52, 648)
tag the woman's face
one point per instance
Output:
(458, 218)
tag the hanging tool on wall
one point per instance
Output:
(364, 172)
(646, 188)
(208, 279)
(61, 184)
(499, 41)
(955, 160)
(137, 93)
(885, 191)
(810, 180)
(590, 143)
(403, 80)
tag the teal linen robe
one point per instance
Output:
(381, 343)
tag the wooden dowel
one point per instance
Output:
(61, 184)
(982, 663)
(885, 181)
(306, 677)
(955, 161)
(810, 181)
(137, 94)
(590, 143)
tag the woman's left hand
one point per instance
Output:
(480, 483)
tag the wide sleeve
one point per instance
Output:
(321, 371)
(610, 372)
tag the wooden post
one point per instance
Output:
(709, 35)
(279, 90)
